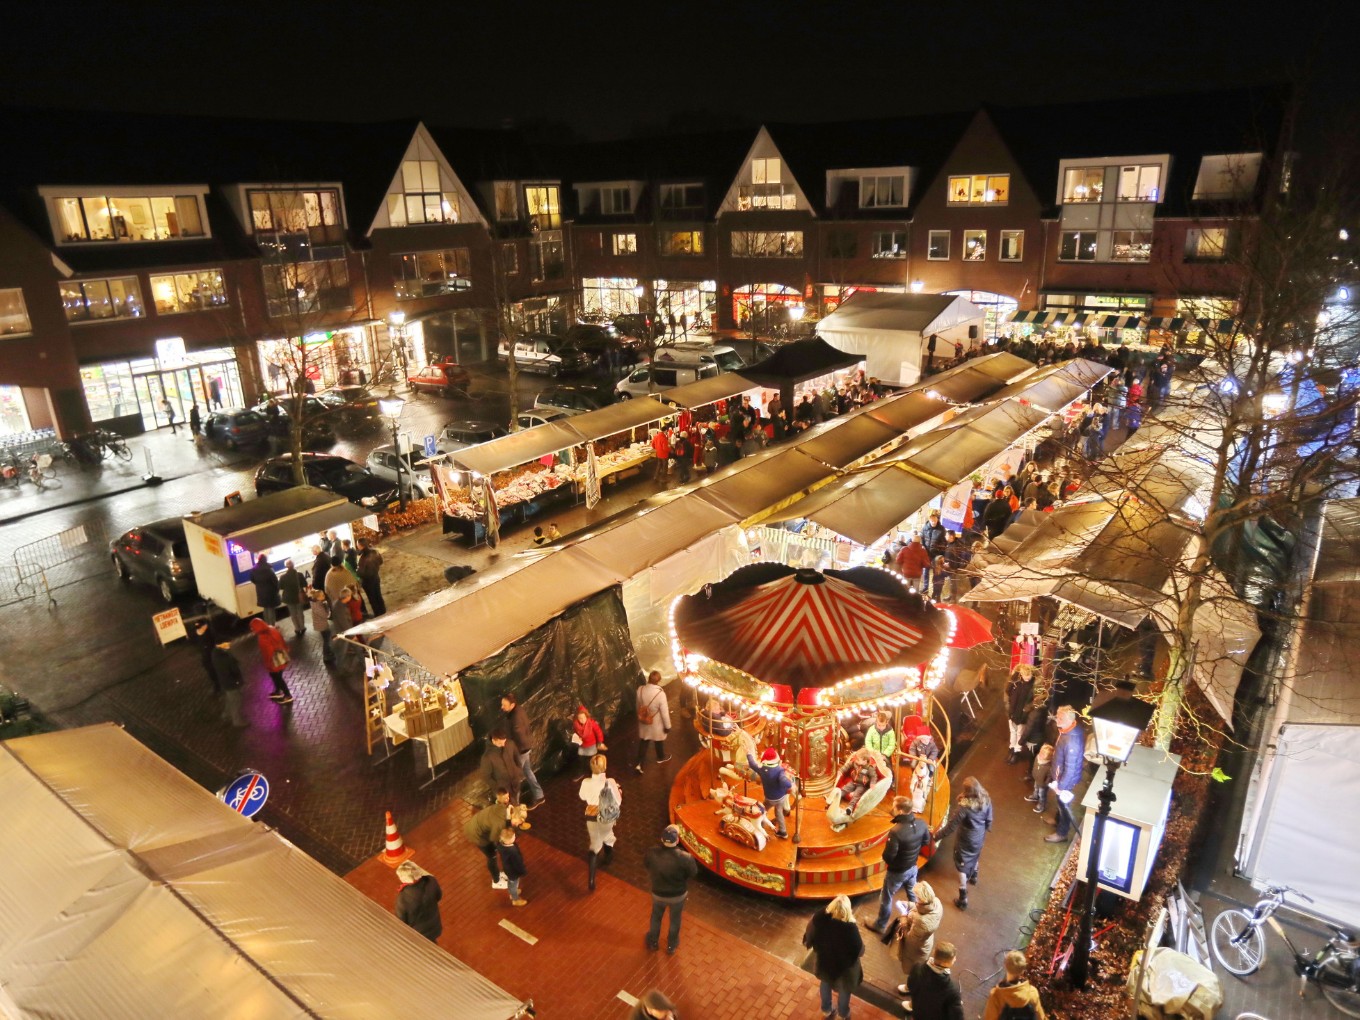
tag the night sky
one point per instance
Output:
(608, 69)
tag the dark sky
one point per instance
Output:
(606, 68)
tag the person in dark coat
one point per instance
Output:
(1069, 761)
(653, 1006)
(501, 764)
(935, 995)
(901, 855)
(996, 516)
(266, 584)
(418, 901)
(229, 676)
(512, 865)
(669, 869)
(204, 641)
(972, 820)
(293, 591)
(1019, 692)
(368, 565)
(517, 723)
(321, 565)
(835, 941)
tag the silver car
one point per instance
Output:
(415, 475)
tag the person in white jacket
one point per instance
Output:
(602, 813)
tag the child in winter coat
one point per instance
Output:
(587, 736)
(512, 865)
(882, 737)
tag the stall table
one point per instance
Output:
(438, 746)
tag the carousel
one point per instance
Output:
(786, 663)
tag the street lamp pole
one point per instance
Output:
(1118, 721)
(391, 408)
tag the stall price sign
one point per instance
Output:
(245, 794)
(371, 522)
(169, 626)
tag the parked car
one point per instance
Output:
(595, 339)
(317, 427)
(235, 427)
(723, 355)
(580, 396)
(415, 475)
(326, 471)
(460, 434)
(155, 554)
(540, 415)
(353, 405)
(643, 325)
(538, 352)
(445, 378)
(639, 381)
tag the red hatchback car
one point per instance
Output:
(444, 377)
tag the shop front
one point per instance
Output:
(1111, 318)
(340, 357)
(546, 314)
(609, 297)
(691, 304)
(997, 309)
(126, 396)
(762, 308)
(461, 334)
(13, 412)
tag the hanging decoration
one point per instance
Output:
(592, 485)
(493, 514)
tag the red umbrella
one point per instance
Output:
(970, 627)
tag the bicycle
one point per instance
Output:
(115, 444)
(1239, 945)
(41, 473)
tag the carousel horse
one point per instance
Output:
(743, 818)
(861, 785)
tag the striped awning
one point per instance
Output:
(1176, 325)
(1095, 320)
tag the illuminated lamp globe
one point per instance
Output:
(1119, 722)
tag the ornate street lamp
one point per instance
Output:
(391, 408)
(1118, 721)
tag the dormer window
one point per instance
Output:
(292, 217)
(543, 205)
(882, 192)
(980, 189)
(684, 201)
(424, 198)
(765, 171)
(507, 203)
(78, 219)
(616, 201)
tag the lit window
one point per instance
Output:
(92, 300)
(128, 218)
(1131, 246)
(980, 189)
(13, 312)
(544, 208)
(1077, 246)
(681, 242)
(890, 244)
(879, 192)
(974, 245)
(623, 244)
(1084, 184)
(546, 260)
(423, 199)
(1206, 244)
(765, 171)
(426, 273)
(1139, 183)
(937, 249)
(767, 244)
(188, 292)
(1012, 248)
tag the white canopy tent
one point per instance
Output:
(1299, 829)
(131, 892)
(891, 330)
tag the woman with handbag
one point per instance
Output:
(274, 655)
(915, 935)
(835, 946)
(604, 799)
(972, 817)
(654, 720)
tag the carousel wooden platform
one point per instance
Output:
(822, 864)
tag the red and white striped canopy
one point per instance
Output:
(805, 630)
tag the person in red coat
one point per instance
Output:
(661, 447)
(587, 736)
(913, 560)
(274, 654)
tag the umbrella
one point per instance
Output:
(970, 627)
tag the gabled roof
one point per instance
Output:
(1188, 126)
(922, 142)
(55, 147)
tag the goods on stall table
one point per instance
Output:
(517, 485)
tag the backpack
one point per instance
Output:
(608, 804)
(1025, 1012)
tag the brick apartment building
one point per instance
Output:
(146, 257)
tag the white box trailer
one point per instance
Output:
(223, 544)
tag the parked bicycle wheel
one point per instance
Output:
(1337, 977)
(120, 450)
(1238, 945)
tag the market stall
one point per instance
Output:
(804, 368)
(224, 544)
(132, 892)
(520, 476)
(891, 331)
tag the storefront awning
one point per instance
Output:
(1035, 318)
(1221, 327)
(706, 391)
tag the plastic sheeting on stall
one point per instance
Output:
(583, 656)
(131, 892)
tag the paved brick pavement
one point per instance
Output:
(590, 946)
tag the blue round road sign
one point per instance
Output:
(246, 793)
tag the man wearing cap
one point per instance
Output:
(670, 870)
(775, 783)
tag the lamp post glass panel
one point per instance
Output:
(391, 409)
(396, 325)
(1118, 723)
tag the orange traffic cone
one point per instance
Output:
(395, 851)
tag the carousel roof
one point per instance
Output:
(805, 628)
